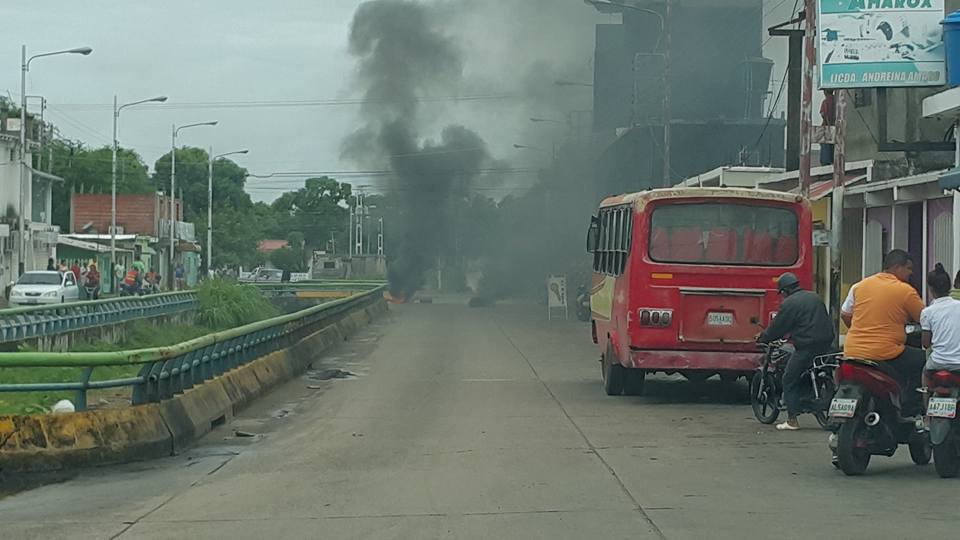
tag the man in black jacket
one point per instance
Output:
(804, 318)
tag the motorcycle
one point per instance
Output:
(93, 292)
(866, 420)
(130, 290)
(766, 387)
(944, 431)
(583, 304)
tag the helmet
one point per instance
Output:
(787, 282)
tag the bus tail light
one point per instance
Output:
(655, 317)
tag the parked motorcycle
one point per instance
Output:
(583, 304)
(865, 416)
(130, 290)
(944, 430)
(766, 387)
(93, 292)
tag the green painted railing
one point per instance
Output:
(166, 371)
(20, 323)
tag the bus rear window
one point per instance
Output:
(724, 233)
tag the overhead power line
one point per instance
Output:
(295, 103)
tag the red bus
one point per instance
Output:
(684, 279)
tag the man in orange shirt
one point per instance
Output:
(883, 305)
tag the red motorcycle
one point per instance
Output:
(944, 432)
(865, 417)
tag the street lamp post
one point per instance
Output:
(210, 204)
(173, 194)
(113, 181)
(24, 68)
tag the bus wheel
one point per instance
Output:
(614, 374)
(633, 383)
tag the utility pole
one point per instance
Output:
(359, 233)
(806, 101)
(667, 99)
(836, 217)
(380, 240)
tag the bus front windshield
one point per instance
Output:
(724, 234)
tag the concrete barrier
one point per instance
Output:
(109, 436)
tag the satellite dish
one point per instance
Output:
(87, 225)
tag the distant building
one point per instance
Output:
(41, 234)
(143, 226)
(718, 89)
(269, 246)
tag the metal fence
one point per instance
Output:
(17, 324)
(166, 371)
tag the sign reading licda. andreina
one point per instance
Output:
(880, 43)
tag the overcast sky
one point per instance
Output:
(250, 50)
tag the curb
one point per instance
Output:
(111, 436)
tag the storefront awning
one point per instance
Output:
(950, 180)
(89, 246)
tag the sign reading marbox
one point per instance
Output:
(880, 43)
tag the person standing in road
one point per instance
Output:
(51, 265)
(803, 318)
(76, 270)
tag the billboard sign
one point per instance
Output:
(880, 43)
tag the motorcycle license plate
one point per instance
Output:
(942, 407)
(843, 408)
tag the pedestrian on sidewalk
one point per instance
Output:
(178, 274)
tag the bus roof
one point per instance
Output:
(698, 192)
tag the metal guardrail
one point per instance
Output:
(21, 323)
(17, 324)
(167, 371)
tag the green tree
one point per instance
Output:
(316, 209)
(89, 171)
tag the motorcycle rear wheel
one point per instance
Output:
(946, 459)
(852, 453)
(765, 404)
(920, 449)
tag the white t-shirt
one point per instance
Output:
(847, 306)
(942, 319)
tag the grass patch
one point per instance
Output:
(222, 305)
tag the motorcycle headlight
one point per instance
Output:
(51, 293)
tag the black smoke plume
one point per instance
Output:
(404, 55)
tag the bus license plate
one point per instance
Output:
(942, 407)
(720, 319)
(843, 408)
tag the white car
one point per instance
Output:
(36, 288)
(265, 275)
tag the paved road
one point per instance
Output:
(489, 423)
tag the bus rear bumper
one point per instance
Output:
(701, 360)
